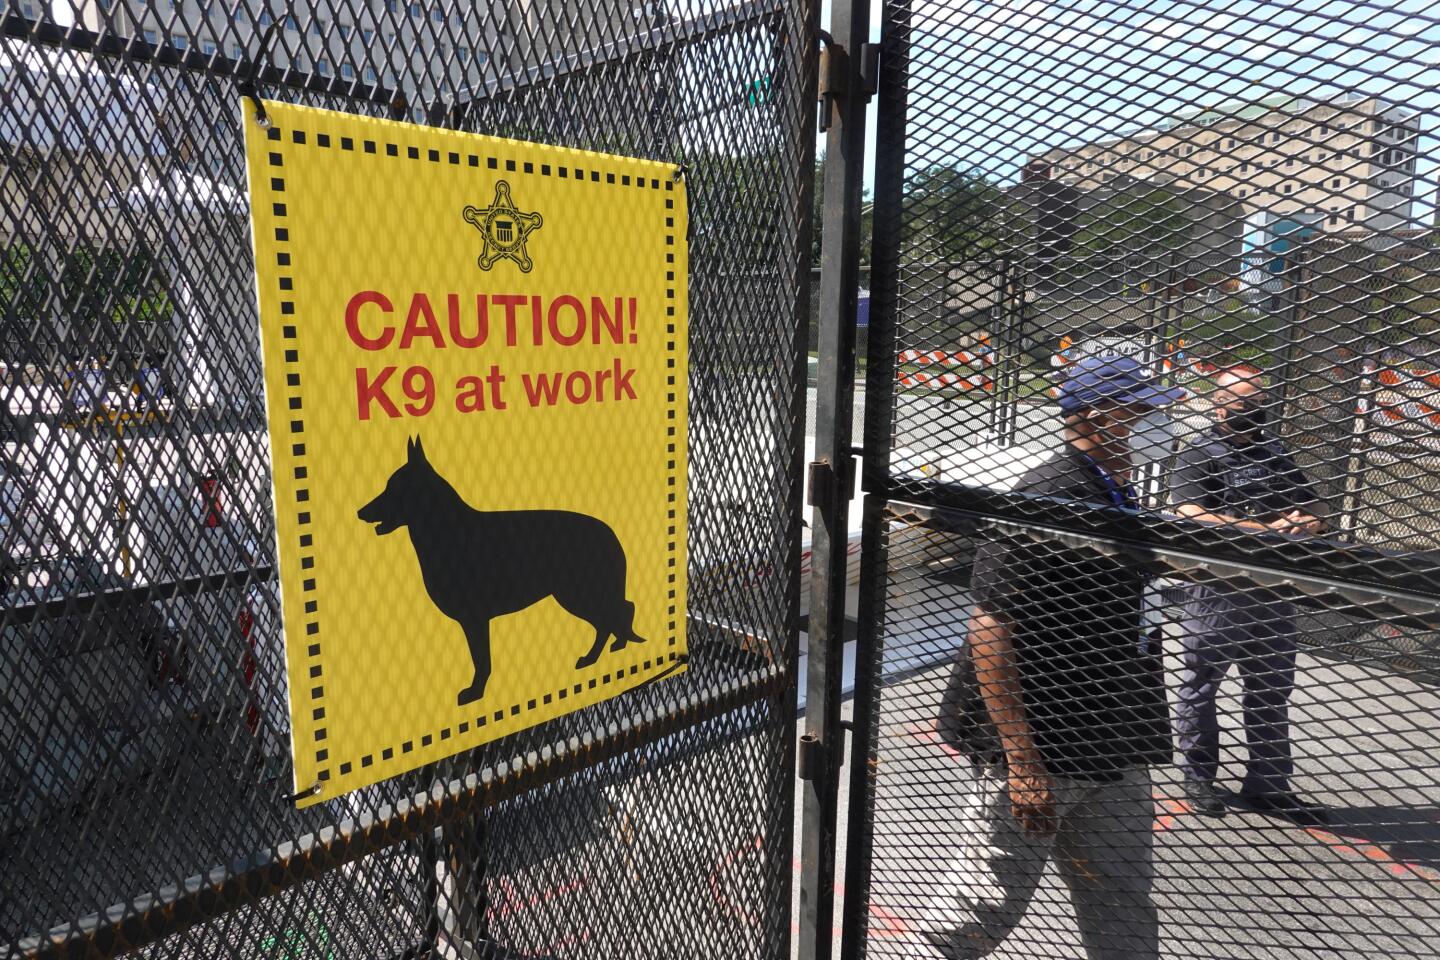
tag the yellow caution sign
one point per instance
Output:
(475, 374)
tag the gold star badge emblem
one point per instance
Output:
(504, 228)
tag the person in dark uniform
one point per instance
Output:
(1069, 707)
(1239, 474)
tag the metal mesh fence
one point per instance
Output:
(143, 792)
(1152, 408)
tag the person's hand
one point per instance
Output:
(1032, 799)
(1297, 522)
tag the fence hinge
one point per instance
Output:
(810, 759)
(811, 755)
(834, 65)
(869, 69)
(826, 483)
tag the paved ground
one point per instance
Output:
(1245, 886)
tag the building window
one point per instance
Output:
(1243, 192)
(1275, 137)
(292, 24)
(346, 30)
(1334, 219)
(464, 54)
(1289, 161)
(322, 68)
(1350, 214)
(151, 37)
(237, 52)
(317, 27)
(367, 35)
(1289, 188)
(369, 74)
(415, 11)
(1231, 144)
(1335, 182)
(347, 71)
(177, 42)
(438, 16)
(207, 48)
(1274, 161)
(1324, 130)
(392, 6)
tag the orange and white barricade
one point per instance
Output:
(977, 366)
(1397, 403)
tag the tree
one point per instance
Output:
(1143, 221)
(94, 283)
(952, 214)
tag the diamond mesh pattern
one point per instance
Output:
(143, 728)
(1215, 690)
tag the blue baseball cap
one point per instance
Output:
(1113, 378)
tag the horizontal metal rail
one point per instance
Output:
(1405, 606)
(669, 36)
(136, 49)
(226, 888)
(1383, 572)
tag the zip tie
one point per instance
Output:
(249, 87)
(680, 170)
(309, 791)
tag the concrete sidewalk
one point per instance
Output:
(1245, 886)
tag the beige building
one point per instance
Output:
(1339, 164)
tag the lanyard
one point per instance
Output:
(1120, 496)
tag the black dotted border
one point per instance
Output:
(290, 333)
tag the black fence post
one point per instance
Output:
(879, 421)
(842, 105)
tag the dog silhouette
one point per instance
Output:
(478, 565)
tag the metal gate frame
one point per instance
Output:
(256, 877)
(1401, 588)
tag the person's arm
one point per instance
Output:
(1310, 512)
(1193, 511)
(1190, 488)
(1032, 792)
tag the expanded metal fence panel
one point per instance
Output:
(144, 730)
(1230, 196)
(1153, 374)
(1245, 884)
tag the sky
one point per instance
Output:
(995, 81)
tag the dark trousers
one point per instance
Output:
(1256, 634)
